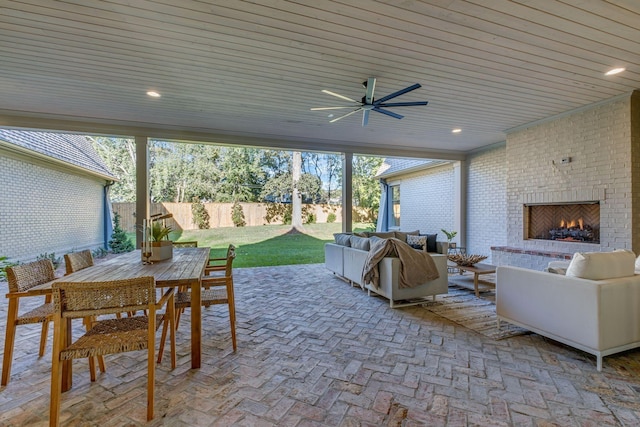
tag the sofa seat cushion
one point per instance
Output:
(602, 265)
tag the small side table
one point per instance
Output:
(477, 270)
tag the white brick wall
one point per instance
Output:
(599, 143)
(426, 200)
(486, 201)
(44, 210)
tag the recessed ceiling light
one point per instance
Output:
(330, 115)
(153, 94)
(456, 130)
(614, 71)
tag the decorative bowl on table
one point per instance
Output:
(465, 259)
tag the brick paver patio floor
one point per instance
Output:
(314, 351)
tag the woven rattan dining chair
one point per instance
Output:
(215, 290)
(76, 261)
(21, 279)
(91, 299)
(219, 264)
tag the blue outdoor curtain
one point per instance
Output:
(108, 216)
(383, 211)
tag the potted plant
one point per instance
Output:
(161, 246)
(450, 235)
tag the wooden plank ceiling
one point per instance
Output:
(249, 71)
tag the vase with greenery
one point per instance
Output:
(450, 236)
(161, 246)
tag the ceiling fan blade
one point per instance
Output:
(333, 108)
(398, 93)
(388, 113)
(365, 117)
(346, 115)
(328, 92)
(402, 104)
(371, 86)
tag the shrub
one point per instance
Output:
(56, 261)
(200, 215)
(119, 242)
(4, 263)
(308, 216)
(278, 212)
(237, 215)
(99, 252)
(331, 218)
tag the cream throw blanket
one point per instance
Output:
(416, 267)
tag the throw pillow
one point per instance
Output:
(342, 239)
(431, 242)
(602, 265)
(419, 241)
(557, 270)
(402, 235)
(361, 243)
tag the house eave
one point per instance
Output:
(43, 158)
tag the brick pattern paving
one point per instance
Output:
(313, 351)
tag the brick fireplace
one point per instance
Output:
(601, 142)
(576, 222)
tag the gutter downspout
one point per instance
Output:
(107, 225)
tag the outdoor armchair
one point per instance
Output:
(21, 279)
(92, 299)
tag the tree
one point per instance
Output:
(296, 196)
(119, 154)
(119, 242)
(366, 188)
(242, 175)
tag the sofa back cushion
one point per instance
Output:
(343, 239)
(602, 265)
(381, 234)
(361, 243)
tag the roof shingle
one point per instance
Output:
(72, 149)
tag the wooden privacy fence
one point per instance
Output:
(219, 213)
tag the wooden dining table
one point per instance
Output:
(185, 268)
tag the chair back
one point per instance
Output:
(78, 260)
(190, 244)
(85, 299)
(23, 277)
(231, 255)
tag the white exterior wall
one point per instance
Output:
(486, 201)
(426, 200)
(47, 210)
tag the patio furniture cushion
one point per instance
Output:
(417, 242)
(343, 239)
(432, 246)
(602, 265)
(361, 243)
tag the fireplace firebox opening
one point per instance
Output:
(566, 222)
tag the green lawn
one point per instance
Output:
(265, 245)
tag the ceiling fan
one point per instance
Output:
(368, 103)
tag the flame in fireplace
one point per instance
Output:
(572, 224)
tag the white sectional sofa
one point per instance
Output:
(595, 307)
(348, 262)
